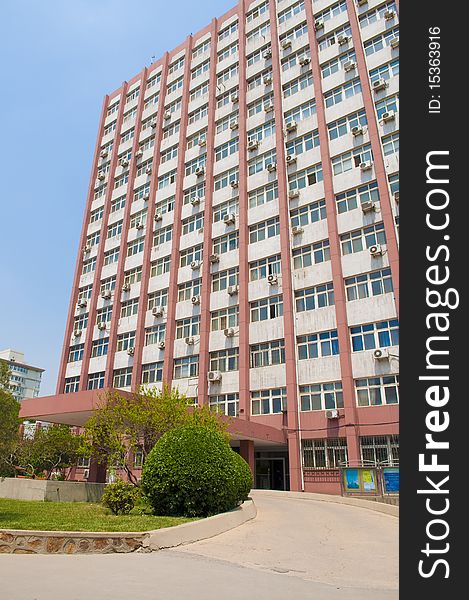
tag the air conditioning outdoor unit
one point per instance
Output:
(381, 354)
(148, 170)
(214, 258)
(297, 229)
(396, 196)
(139, 225)
(342, 39)
(202, 142)
(271, 167)
(153, 123)
(304, 60)
(268, 107)
(126, 287)
(195, 201)
(234, 183)
(158, 217)
(234, 125)
(368, 206)
(102, 325)
(101, 176)
(214, 376)
(77, 332)
(229, 219)
(195, 299)
(86, 248)
(267, 80)
(366, 165)
(139, 153)
(199, 171)
(292, 194)
(291, 126)
(379, 84)
(232, 290)
(106, 294)
(189, 341)
(161, 345)
(362, 2)
(146, 196)
(234, 98)
(195, 264)
(357, 130)
(272, 279)
(103, 153)
(124, 162)
(349, 66)
(131, 351)
(332, 414)
(253, 144)
(286, 43)
(388, 116)
(267, 54)
(319, 25)
(167, 115)
(376, 250)
(290, 158)
(82, 304)
(157, 311)
(389, 14)
(229, 332)
(394, 43)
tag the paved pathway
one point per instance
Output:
(295, 548)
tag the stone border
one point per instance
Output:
(387, 509)
(19, 541)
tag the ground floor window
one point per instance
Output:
(380, 449)
(324, 453)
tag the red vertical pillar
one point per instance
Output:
(246, 449)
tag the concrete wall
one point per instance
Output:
(51, 491)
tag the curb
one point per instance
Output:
(387, 509)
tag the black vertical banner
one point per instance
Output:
(434, 352)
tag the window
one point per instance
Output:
(301, 112)
(169, 154)
(176, 65)
(351, 160)
(331, 11)
(80, 322)
(226, 149)
(385, 71)
(151, 101)
(224, 179)
(263, 195)
(173, 106)
(89, 266)
(382, 449)
(225, 404)
(189, 289)
(224, 124)
(97, 214)
(318, 345)
(330, 39)
(195, 164)
(113, 108)
(204, 47)
(373, 15)
(311, 255)
(140, 192)
(225, 360)
(315, 297)
(257, 80)
(256, 56)
(132, 95)
(171, 130)
(310, 176)
(223, 279)
(187, 327)
(375, 335)
(120, 181)
(368, 285)
(72, 384)
(114, 230)
(321, 396)
(167, 179)
(116, 205)
(75, 353)
(221, 210)
(258, 106)
(197, 191)
(200, 69)
(224, 318)
(175, 85)
(361, 239)
(293, 59)
(152, 372)
(267, 354)
(328, 453)
(268, 402)
(312, 213)
(227, 52)
(187, 366)
(135, 247)
(122, 377)
(387, 105)
(129, 308)
(260, 269)
(259, 32)
(85, 293)
(336, 64)
(195, 139)
(303, 144)
(226, 243)
(256, 12)
(160, 266)
(153, 80)
(290, 12)
(154, 335)
(390, 144)
(227, 74)
(381, 41)
(225, 98)
(354, 198)
(96, 381)
(227, 31)
(139, 218)
(343, 92)
(297, 32)
(297, 85)
(345, 125)
(125, 341)
(376, 391)
(159, 298)
(143, 167)
(165, 206)
(199, 91)
(267, 308)
(99, 347)
(260, 162)
(191, 254)
(162, 236)
(262, 132)
(109, 128)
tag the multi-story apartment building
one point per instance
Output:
(25, 380)
(240, 238)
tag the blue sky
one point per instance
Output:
(59, 59)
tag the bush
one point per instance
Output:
(193, 472)
(120, 497)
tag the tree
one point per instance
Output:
(9, 419)
(122, 425)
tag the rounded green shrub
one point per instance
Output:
(120, 497)
(193, 472)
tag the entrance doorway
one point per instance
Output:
(270, 474)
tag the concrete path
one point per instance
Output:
(295, 548)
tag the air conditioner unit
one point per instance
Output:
(234, 98)
(101, 176)
(139, 225)
(332, 414)
(153, 123)
(157, 311)
(124, 162)
(389, 14)
(214, 376)
(146, 196)
(349, 66)
(234, 125)
(195, 264)
(234, 183)
(195, 201)
(214, 258)
(131, 351)
(148, 170)
(158, 217)
(232, 290)
(189, 341)
(297, 229)
(77, 332)
(290, 158)
(366, 165)
(253, 144)
(272, 279)
(388, 116)
(102, 325)
(357, 130)
(167, 115)
(293, 194)
(126, 287)
(362, 2)
(267, 54)
(139, 153)
(304, 60)
(286, 43)
(229, 219)
(291, 126)
(82, 303)
(267, 80)
(199, 171)
(381, 354)
(342, 39)
(268, 107)
(161, 345)
(271, 167)
(103, 153)
(202, 142)
(379, 84)
(394, 43)
(86, 248)
(319, 25)
(106, 294)
(376, 250)
(396, 196)
(229, 332)
(368, 206)
(195, 299)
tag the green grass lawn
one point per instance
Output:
(76, 516)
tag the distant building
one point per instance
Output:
(25, 380)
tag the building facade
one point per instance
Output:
(25, 380)
(240, 238)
